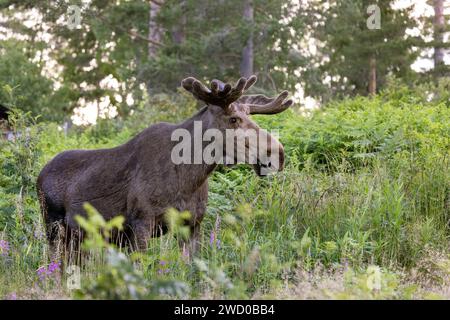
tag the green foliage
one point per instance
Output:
(22, 83)
(374, 283)
(366, 185)
(325, 46)
(98, 231)
(201, 38)
(356, 132)
(214, 34)
(177, 223)
(348, 45)
(23, 150)
(366, 182)
(18, 163)
(119, 278)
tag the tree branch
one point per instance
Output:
(156, 2)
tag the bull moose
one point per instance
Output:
(140, 181)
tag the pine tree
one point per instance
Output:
(154, 44)
(439, 29)
(222, 39)
(356, 56)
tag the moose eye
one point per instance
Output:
(233, 120)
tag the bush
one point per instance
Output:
(356, 132)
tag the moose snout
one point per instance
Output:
(272, 160)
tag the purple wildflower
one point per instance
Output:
(41, 272)
(162, 262)
(164, 267)
(38, 234)
(212, 237)
(4, 247)
(12, 296)
(163, 271)
(44, 272)
(54, 266)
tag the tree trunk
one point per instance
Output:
(154, 34)
(246, 68)
(439, 27)
(178, 32)
(373, 76)
(154, 30)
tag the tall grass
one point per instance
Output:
(364, 198)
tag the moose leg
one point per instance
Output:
(74, 252)
(56, 239)
(141, 238)
(141, 232)
(53, 216)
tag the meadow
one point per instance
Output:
(362, 210)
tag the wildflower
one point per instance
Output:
(38, 234)
(213, 238)
(44, 272)
(12, 296)
(164, 269)
(4, 247)
(54, 266)
(345, 264)
(41, 272)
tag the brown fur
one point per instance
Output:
(137, 180)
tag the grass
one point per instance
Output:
(361, 211)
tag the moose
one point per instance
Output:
(139, 181)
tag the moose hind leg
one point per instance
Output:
(55, 228)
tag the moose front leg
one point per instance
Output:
(142, 231)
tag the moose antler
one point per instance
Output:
(260, 104)
(219, 94)
(223, 94)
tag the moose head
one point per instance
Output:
(229, 109)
